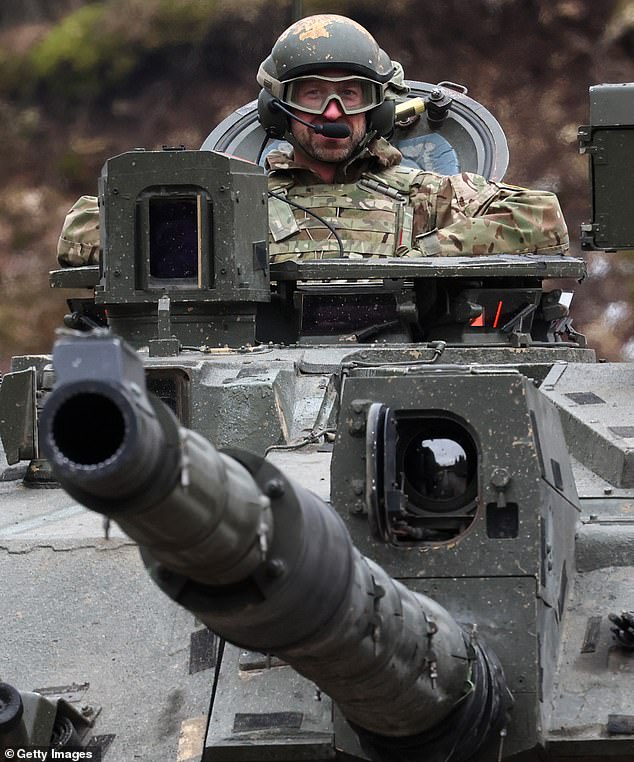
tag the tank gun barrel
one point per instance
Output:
(121, 453)
(265, 563)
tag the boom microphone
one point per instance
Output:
(328, 130)
(331, 129)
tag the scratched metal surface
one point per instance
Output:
(79, 610)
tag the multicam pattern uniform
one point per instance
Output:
(79, 242)
(381, 209)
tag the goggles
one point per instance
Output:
(313, 94)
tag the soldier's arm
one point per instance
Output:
(79, 242)
(466, 215)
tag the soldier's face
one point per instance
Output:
(331, 150)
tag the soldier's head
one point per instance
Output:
(326, 69)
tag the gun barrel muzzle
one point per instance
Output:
(122, 453)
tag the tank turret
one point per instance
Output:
(457, 527)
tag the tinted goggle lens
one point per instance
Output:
(313, 94)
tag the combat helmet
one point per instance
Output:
(312, 44)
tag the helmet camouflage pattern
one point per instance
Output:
(324, 40)
(315, 43)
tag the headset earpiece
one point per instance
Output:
(382, 118)
(273, 121)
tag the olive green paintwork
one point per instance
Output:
(533, 561)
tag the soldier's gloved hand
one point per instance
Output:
(624, 630)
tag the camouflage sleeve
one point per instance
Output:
(79, 241)
(466, 215)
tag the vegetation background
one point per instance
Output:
(83, 80)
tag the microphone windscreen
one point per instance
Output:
(334, 130)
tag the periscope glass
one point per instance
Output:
(174, 238)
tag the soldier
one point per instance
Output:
(326, 87)
(327, 70)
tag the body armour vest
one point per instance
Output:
(372, 217)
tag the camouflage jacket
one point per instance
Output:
(442, 216)
(460, 215)
(79, 242)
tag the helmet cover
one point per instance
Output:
(324, 41)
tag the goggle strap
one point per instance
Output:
(274, 86)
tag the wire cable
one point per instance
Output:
(324, 222)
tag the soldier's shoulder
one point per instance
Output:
(278, 159)
(79, 241)
(402, 177)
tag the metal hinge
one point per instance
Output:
(597, 150)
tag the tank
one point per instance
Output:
(389, 501)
